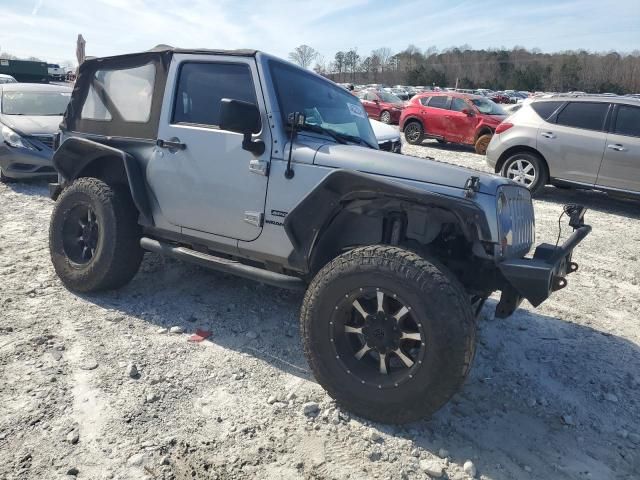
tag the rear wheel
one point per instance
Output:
(528, 169)
(482, 143)
(388, 334)
(94, 236)
(413, 133)
(385, 117)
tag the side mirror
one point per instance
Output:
(242, 117)
(468, 112)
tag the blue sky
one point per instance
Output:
(48, 28)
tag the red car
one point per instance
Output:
(451, 117)
(381, 105)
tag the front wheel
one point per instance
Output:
(385, 117)
(482, 143)
(94, 236)
(388, 334)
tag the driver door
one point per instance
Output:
(209, 183)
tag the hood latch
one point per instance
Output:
(471, 186)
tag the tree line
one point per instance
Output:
(498, 69)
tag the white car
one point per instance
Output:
(388, 137)
(55, 71)
(4, 78)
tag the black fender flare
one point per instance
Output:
(305, 224)
(75, 154)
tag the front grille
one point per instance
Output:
(47, 140)
(523, 228)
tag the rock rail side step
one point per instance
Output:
(223, 264)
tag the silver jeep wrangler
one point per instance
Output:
(243, 163)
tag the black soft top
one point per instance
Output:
(116, 125)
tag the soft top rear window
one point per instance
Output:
(545, 109)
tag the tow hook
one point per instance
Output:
(558, 283)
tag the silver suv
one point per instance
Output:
(243, 163)
(586, 141)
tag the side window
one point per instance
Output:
(589, 116)
(424, 101)
(438, 102)
(458, 104)
(201, 86)
(628, 121)
(545, 109)
(372, 97)
(126, 93)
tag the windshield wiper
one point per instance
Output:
(318, 129)
(341, 138)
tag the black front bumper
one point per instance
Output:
(536, 278)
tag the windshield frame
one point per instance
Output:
(64, 94)
(364, 134)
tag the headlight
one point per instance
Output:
(13, 139)
(516, 221)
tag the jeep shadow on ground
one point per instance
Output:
(534, 394)
(593, 200)
(32, 187)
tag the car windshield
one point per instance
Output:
(388, 97)
(326, 106)
(488, 107)
(35, 103)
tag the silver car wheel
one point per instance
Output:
(522, 171)
(385, 117)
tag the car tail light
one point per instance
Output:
(503, 127)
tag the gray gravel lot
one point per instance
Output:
(554, 393)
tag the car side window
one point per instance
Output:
(439, 101)
(201, 86)
(545, 109)
(627, 121)
(587, 115)
(425, 100)
(372, 97)
(458, 105)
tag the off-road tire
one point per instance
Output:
(385, 117)
(482, 143)
(437, 299)
(118, 254)
(414, 138)
(542, 172)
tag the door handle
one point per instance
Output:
(548, 135)
(617, 147)
(173, 144)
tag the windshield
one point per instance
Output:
(35, 103)
(324, 104)
(388, 97)
(488, 107)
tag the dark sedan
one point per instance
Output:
(30, 115)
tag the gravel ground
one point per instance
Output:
(95, 387)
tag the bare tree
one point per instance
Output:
(303, 55)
